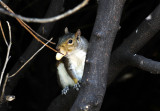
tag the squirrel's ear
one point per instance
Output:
(78, 34)
(66, 30)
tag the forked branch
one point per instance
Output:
(8, 52)
(136, 41)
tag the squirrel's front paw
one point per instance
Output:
(65, 90)
(77, 86)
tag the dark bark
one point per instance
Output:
(54, 9)
(145, 32)
(144, 63)
(63, 102)
(94, 81)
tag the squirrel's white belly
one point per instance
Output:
(77, 61)
(64, 77)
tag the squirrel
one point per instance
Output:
(71, 55)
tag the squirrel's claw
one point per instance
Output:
(65, 90)
(77, 86)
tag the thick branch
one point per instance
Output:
(63, 102)
(146, 31)
(46, 20)
(96, 68)
(144, 63)
(117, 64)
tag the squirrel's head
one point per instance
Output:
(67, 43)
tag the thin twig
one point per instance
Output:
(8, 52)
(46, 20)
(23, 23)
(29, 29)
(3, 90)
(32, 33)
(29, 59)
(10, 36)
(3, 34)
(39, 34)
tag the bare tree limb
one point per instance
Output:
(63, 102)
(146, 30)
(29, 29)
(53, 10)
(7, 76)
(3, 89)
(3, 34)
(8, 52)
(46, 20)
(144, 63)
(23, 25)
(94, 80)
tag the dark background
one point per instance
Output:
(132, 90)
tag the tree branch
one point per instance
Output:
(3, 89)
(146, 30)
(3, 34)
(96, 68)
(54, 9)
(29, 29)
(8, 52)
(46, 20)
(144, 63)
(63, 102)
(9, 44)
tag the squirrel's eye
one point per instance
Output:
(70, 41)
